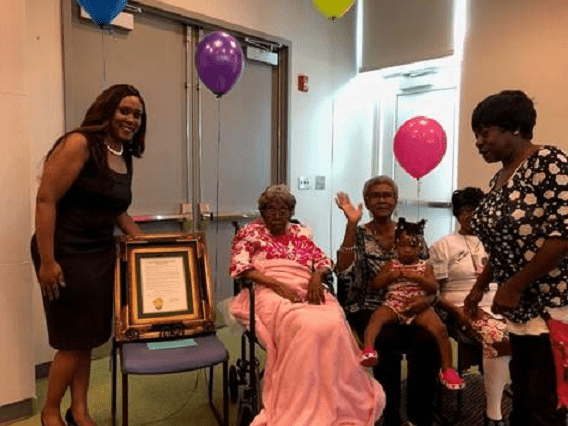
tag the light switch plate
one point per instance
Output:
(320, 183)
(304, 182)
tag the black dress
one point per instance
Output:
(81, 318)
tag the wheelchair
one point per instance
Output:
(245, 375)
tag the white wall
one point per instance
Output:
(16, 350)
(514, 44)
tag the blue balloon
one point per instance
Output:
(103, 11)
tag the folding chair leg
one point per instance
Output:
(210, 387)
(225, 420)
(226, 393)
(113, 391)
(124, 399)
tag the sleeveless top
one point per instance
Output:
(86, 214)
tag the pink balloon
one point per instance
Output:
(419, 145)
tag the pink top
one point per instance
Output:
(254, 242)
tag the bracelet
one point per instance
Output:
(347, 249)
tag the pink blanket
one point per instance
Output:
(312, 374)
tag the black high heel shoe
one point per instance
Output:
(489, 422)
(70, 419)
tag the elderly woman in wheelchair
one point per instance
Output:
(312, 375)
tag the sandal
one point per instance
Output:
(368, 357)
(451, 379)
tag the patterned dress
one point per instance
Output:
(402, 293)
(456, 259)
(514, 221)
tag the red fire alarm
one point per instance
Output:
(303, 83)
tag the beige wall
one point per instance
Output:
(45, 120)
(514, 44)
(16, 349)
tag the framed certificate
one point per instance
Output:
(166, 285)
(163, 287)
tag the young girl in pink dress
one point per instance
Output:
(406, 278)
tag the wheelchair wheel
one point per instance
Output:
(246, 416)
(233, 384)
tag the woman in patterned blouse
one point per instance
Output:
(312, 375)
(523, 224)
(365, 250)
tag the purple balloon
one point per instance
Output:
(219, 61)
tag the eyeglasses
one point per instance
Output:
(272, 212)
(378, 195)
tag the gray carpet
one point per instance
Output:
(472, 404)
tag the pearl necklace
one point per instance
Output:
(115, 151)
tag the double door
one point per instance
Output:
(207, 159)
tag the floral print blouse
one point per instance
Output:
(255, 242)
(514, 221)
(353, 287)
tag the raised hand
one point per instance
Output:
(351, 213)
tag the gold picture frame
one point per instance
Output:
(162, 287)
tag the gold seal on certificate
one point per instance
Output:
(158, 303)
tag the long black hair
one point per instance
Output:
(95, 124)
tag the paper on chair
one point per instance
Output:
(172, 344)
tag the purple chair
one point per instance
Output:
(137, 358)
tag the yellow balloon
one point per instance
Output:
(333, 9)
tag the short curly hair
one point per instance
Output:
(278, 192)
(468, 196)
(376, 180)
(511, 110)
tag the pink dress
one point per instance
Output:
(312, 375)
(401, 294)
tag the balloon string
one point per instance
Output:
(104, 58)
(419, 184)
(217, 195)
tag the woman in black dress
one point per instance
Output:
(84, 193)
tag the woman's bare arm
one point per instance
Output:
(127, 225)
(60, 171)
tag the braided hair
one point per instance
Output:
(413, 229)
